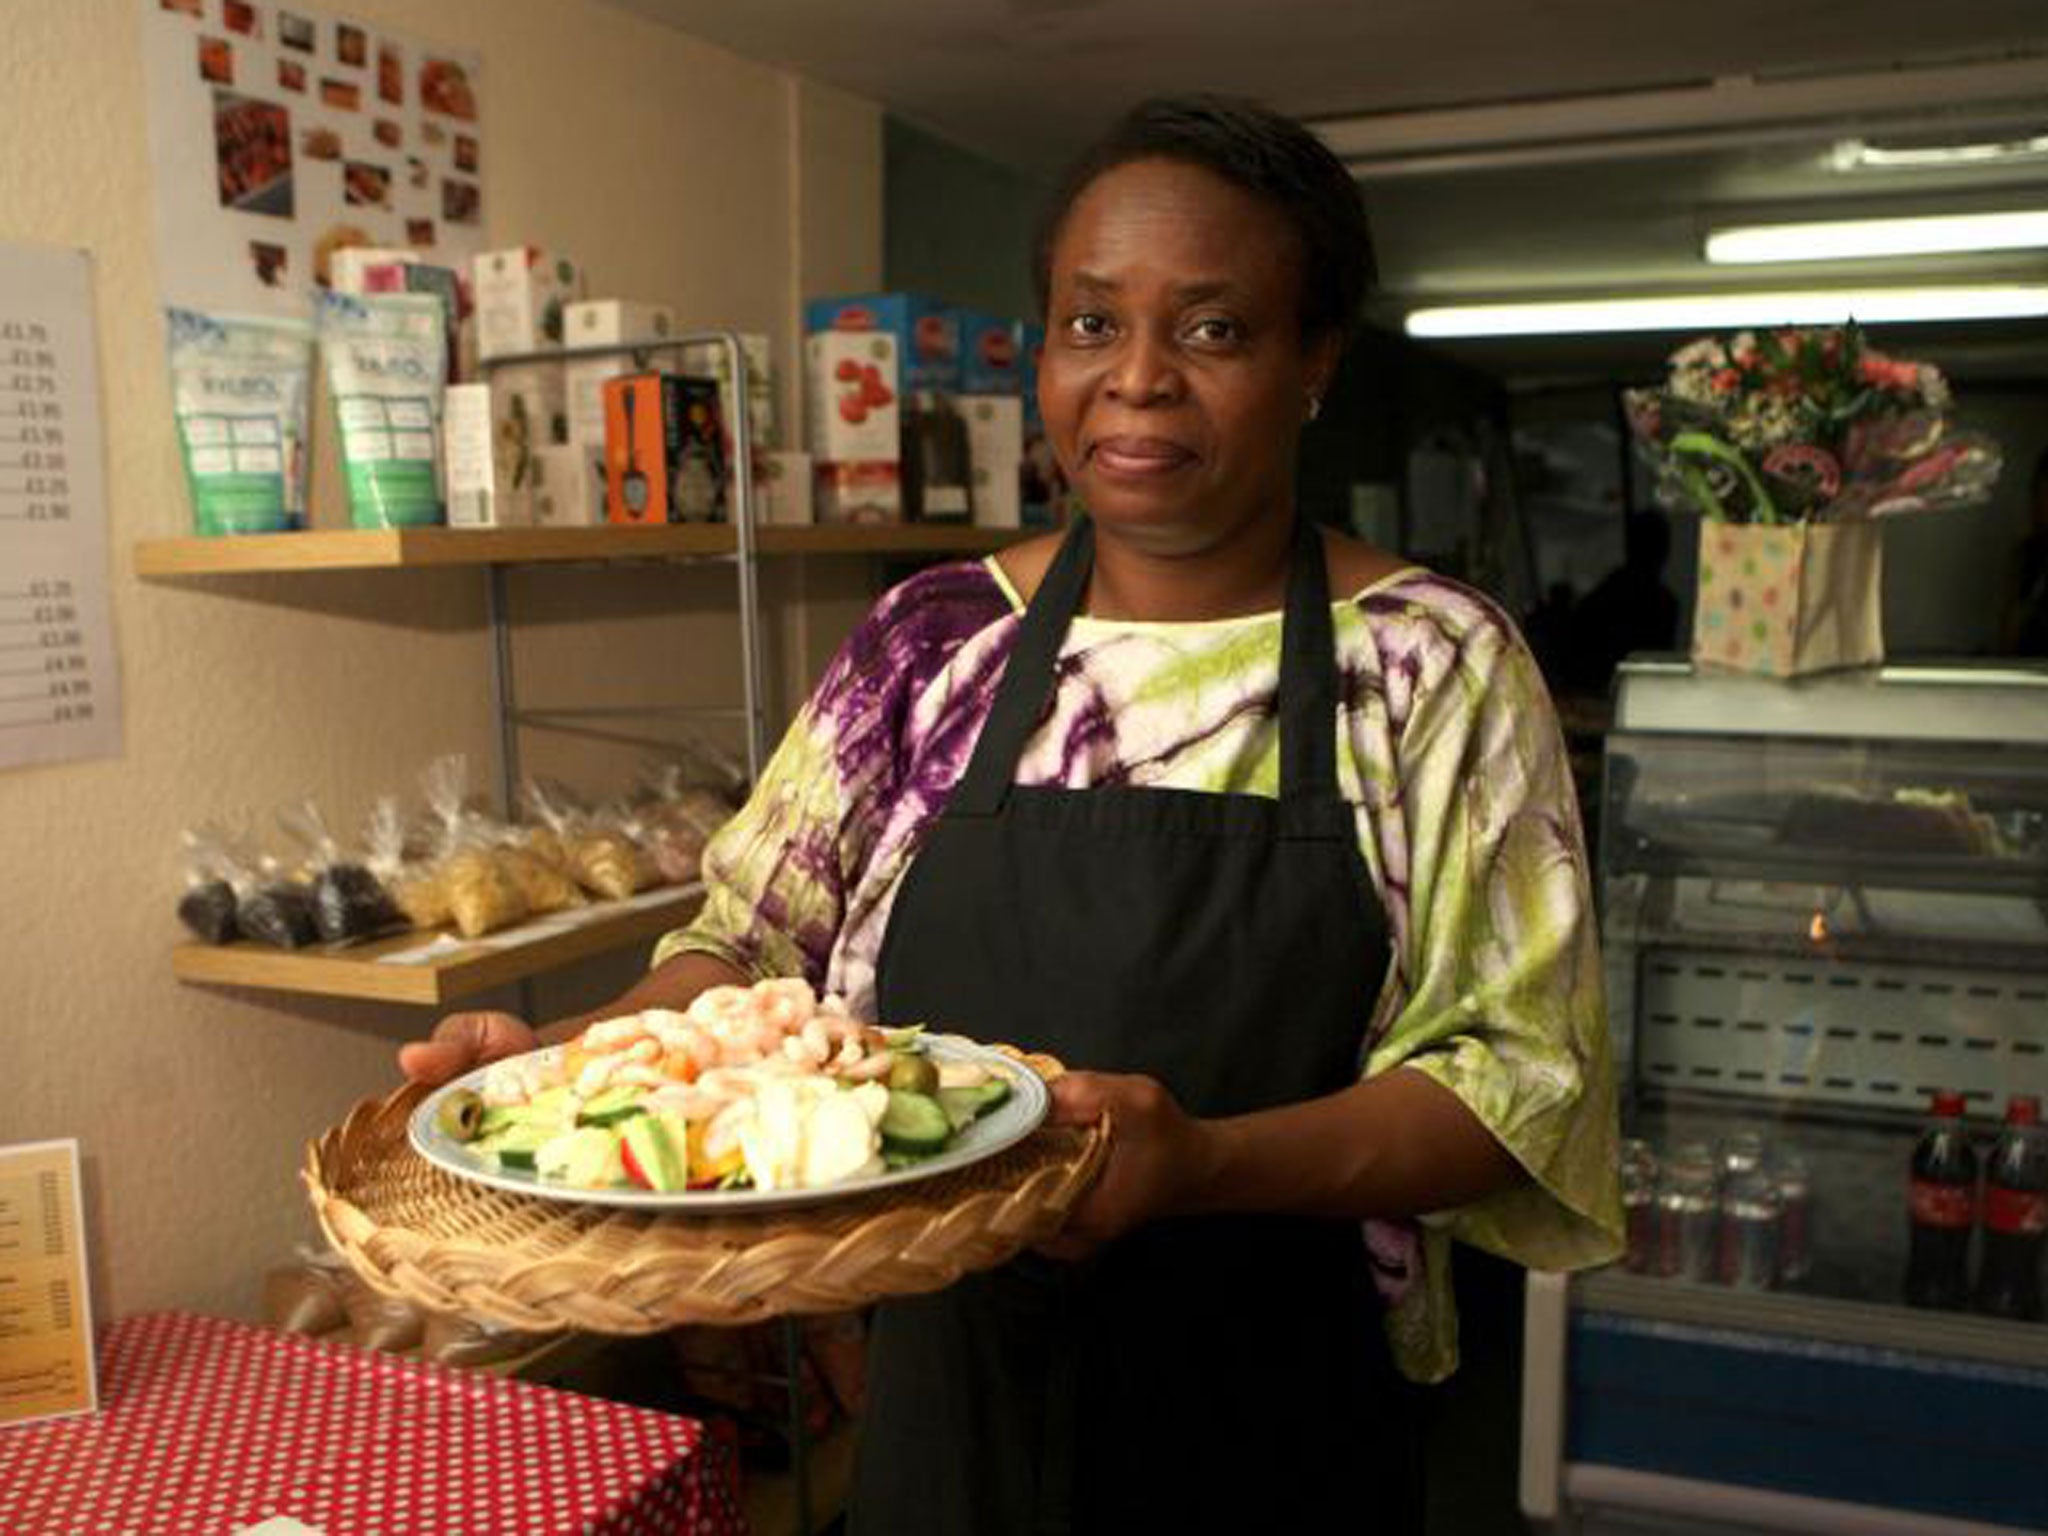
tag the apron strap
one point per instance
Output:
(1307, 704)
(1028, 677)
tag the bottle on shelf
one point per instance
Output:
(2015, 1215)
(1688, 1214)
(1942, 1204)
(1639, 1204)
(1795, 1231)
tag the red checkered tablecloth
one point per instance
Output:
(208, 1426)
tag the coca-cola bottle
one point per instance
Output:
(1942, 1200)
(2015, 1214)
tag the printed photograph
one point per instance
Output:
(433, 133)
(419, 232)
(351, 45)
(465, 153)
(445, 88)
(320, 144)
(291, 75)
(183, 7)
(366, 185)
(295, 31)
(416, 173)
(387, 133)
(345, 94)
(252, 151)
(461, 202)
(390, 75)
(269, 261)
(217, 60)
(240, 16)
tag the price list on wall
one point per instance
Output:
(59, 686)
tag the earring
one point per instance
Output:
(1315, 406)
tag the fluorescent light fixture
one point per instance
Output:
(1725, 311)
(1853, 239)
(1862, 155)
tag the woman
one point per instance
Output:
(1267, 834)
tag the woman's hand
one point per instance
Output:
(463, 1041)
(1159, 1157)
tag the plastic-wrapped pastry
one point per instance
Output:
(482, 895)
(211, 871)
(279, 911)
(414, 885)
(609, 863)
(603, 859)
(349, 902)
(544, 883)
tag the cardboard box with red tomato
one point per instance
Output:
(926, 332)
(851, 390)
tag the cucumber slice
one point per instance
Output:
(915, 1123)
(653, 1149)
(517, 1159)
(963, 1106)
(611, 1106)
(586, 1158)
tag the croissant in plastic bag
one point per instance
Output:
(482, 894)
(604, 860)
(544, 881)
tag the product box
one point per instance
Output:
(851, 386)
(995, 454)
(989, 364)
(490, 480)
(858, 492)
(614, 322)
(708, 360)
(927, 333)
(569, 486)
(664, 450)
(521, 294)
(348, 268)
(605, 323)
(783, 489)
(529, 410)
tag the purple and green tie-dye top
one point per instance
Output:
(1449, 754)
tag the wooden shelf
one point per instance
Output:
(493, 961)
(352, 549)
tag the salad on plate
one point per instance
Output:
(763, 1088)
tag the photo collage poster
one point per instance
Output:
(281, 133)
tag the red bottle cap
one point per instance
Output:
(1948, 1102)
(2023, 1109)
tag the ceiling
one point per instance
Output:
(1506, 147)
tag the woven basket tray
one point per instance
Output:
(413, 1230)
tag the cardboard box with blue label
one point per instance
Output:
(988, 355)
(927, 332)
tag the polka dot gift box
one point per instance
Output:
(1789, 599)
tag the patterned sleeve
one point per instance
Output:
(1504, 1000)
(779, 875)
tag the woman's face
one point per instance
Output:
(1175, 377)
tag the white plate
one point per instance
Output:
(1004, 1126)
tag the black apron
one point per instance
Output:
(1199, 1370)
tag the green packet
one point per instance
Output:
(238, 387)
(384, 354)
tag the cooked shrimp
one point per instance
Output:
(613, 1034)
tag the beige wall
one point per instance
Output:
(676, 172)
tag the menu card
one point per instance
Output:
(46, 1361)
(59, 692)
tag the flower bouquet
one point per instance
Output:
(1791, 444)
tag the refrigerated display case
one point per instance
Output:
(1822, 902)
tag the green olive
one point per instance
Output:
(460, 1116)
(913, 1073)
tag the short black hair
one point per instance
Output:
(1271, 156)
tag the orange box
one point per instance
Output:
(664, 449)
